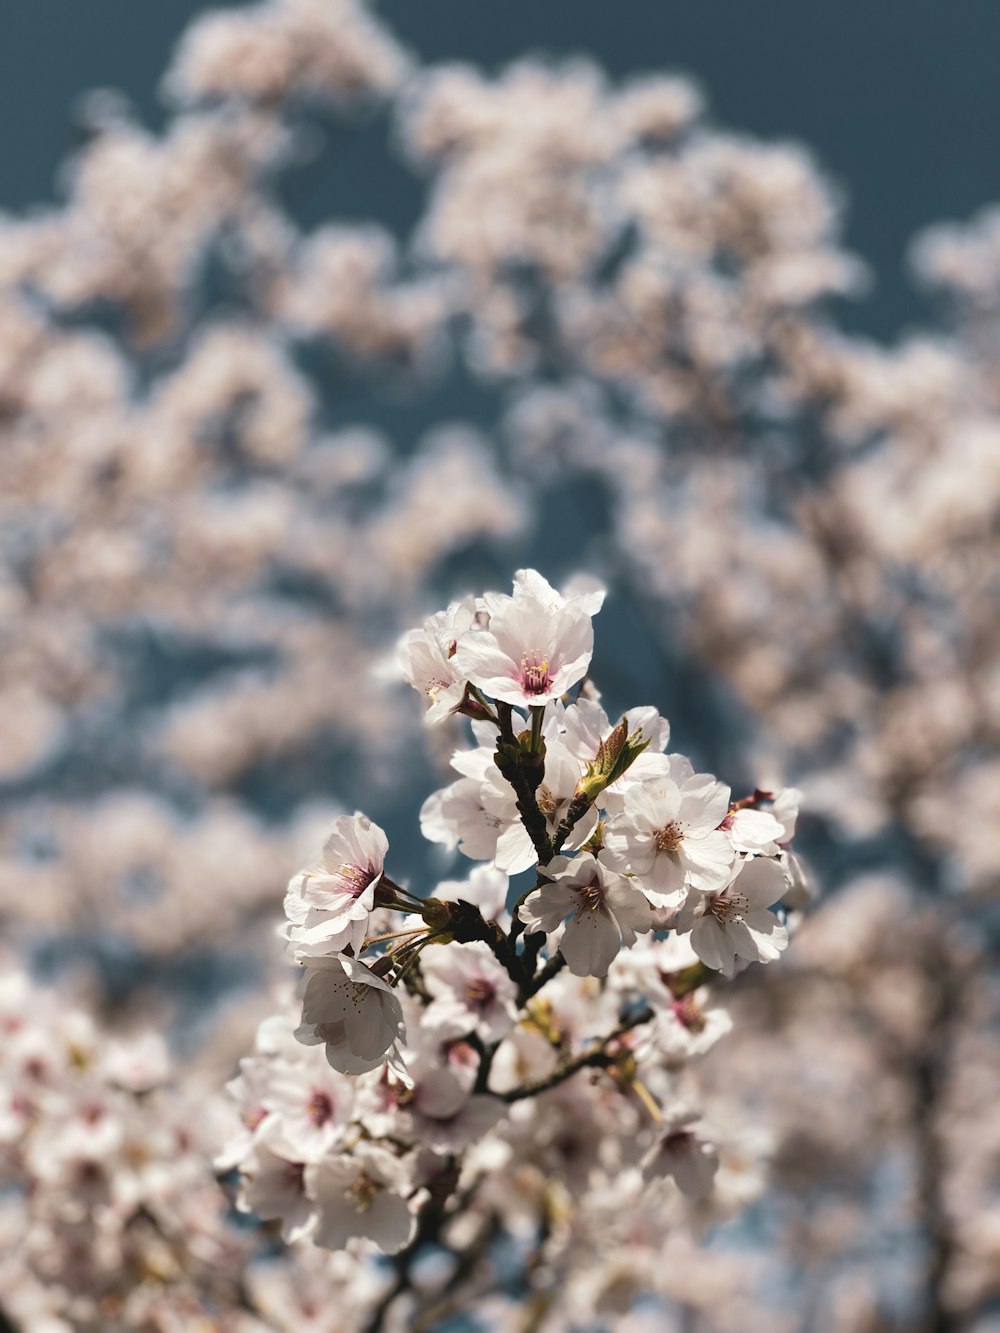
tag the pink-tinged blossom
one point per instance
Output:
(602, 912)
(535, 649)
(470, 992)
(353, 1012)
(754, 831)
(440, 1112)
(360, 1196)
(312, 1101)
(328, 905)
(734, 922)
(427, 658)
(685, 1027)
(274, 1183)
(681, 1154)
(668, 837)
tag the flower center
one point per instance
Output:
(355, 879)
(547, 803)
(320, 1108)
(361, 1194)
(479, 992)
(535, 677)
(726, 906)
(590, 896)
(670, 837)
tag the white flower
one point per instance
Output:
(604, 912)
(470, 991)
(274, 1183)
(359, 1196)
(686, 1026)
(754, 831)
(328, 905)
(537, 647)
(352, 1011)
(427, 659)
(733, 922)
(440, 1112)
(312, 1102)
(680, 1153)
(668, 835)
(456, 816)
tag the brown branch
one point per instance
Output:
(597, 1058)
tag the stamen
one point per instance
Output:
(479, 992)
(547, 803)
(361, 1194)
(591, 897)
(726, 906)
(670, 837)
(535, 678)
(355, 879)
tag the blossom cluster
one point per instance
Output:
(447, 1042)
(111, 1217)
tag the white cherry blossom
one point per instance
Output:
(352, 1011)
(534, 650)
(427, 658)
(274, 1182)
(679, 1152)
(470, 991)
(668, 836)
(602, 911)
(733, 922)
(328, 904)
(360, 1196)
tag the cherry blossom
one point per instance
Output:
(360, 1196)
(733, 922)
(534, 650)
(350, 1010)
(328, 905)
(470, 992)
(602, 911)
(668, 836)
(679, 1152)
(427, 659)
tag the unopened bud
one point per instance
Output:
(615, 755)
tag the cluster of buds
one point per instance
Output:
(444, 1039)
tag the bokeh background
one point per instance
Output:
(305, 340)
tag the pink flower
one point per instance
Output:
(427, 657)
(604, 912)
(537, 647)
(733, 922)
(328, 905)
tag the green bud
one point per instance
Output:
(615, 756)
